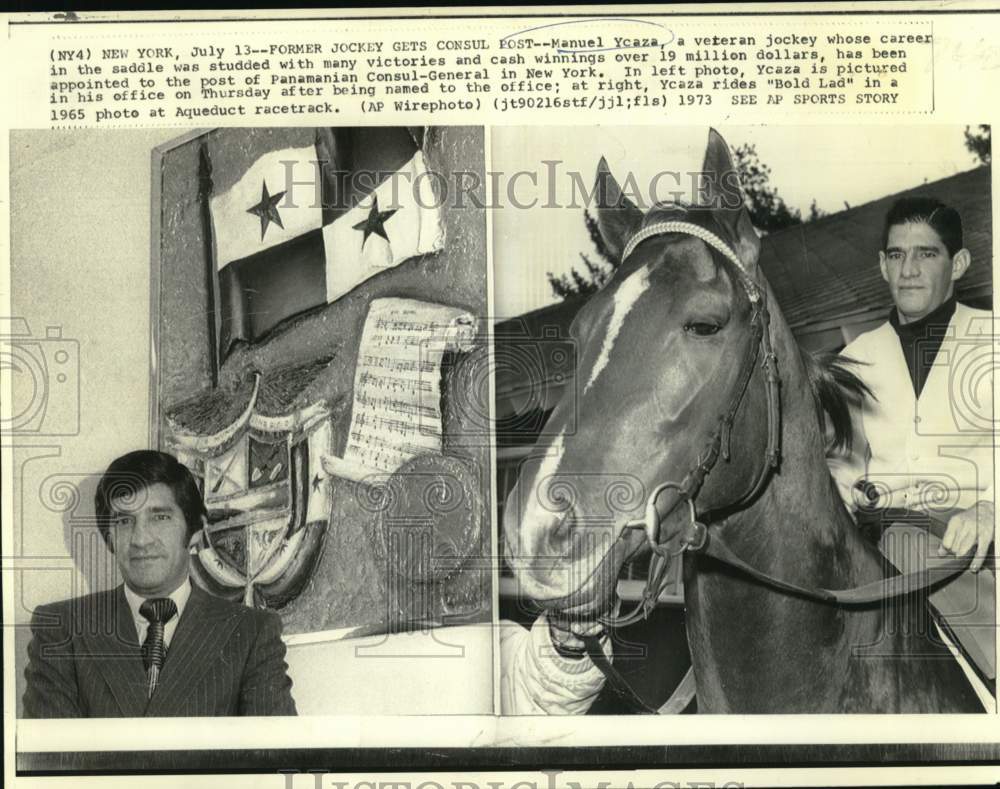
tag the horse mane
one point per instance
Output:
(835, 388)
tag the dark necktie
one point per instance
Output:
(159, 611)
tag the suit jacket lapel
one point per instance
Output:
(201, 632)
(115, 650)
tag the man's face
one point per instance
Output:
(919, 270)
(150, 538)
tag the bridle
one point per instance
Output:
(695, 537)
(718, 444)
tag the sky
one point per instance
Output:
(831, 164)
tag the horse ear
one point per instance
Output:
(722, 191)
(617, 216)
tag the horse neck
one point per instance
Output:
(799, 528)
(759, 650)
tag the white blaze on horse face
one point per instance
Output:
(625, 297)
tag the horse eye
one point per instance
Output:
(701, 328)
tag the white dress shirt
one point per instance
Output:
(180, 597)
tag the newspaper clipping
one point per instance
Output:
(500, 397)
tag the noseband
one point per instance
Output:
(695, 536)
(696, 533)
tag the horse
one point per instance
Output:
(679, 422)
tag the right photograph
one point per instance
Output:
(744, 419)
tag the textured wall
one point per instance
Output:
(80, 251)
(79, 244)
(350, 585)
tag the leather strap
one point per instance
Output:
(679, 700)
(617, 682)
(718, 444)
(682, 696)
(866, 594)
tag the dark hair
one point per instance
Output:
(835, 388)
(131, 474)
(944, 219)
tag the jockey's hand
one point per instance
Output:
(566, 633)
(968, 529)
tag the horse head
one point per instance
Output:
(661, 350)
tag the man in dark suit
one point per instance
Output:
(157, 645)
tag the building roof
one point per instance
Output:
(534, 362)
(825, 273)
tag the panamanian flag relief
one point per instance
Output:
(304, 225)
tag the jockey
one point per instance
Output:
(924, 442)
(923, 452)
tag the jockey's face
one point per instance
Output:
(919, 270)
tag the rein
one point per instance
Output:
(696, 537)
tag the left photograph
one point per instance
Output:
(250, 422)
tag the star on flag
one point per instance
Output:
(267, 210)
(321, 243)
(374, 222)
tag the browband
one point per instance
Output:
(691, 229)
